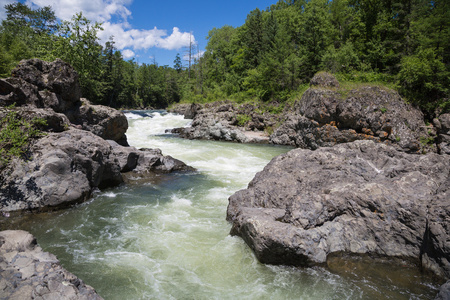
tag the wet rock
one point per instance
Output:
(65, 168)
(27, 272)
(357, 198)
(323, 118)
(146, 160)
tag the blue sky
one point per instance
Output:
(146, 30)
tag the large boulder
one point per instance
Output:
(54, 86)
(65, 168)
(189, 110)
(106, 122)
(325, 117)
(57, 77)
(357, 198)
(146, 160)
(27, 272)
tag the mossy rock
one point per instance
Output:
(324, 79)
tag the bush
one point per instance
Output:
(16, 135)
(423, 79)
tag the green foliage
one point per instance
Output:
(424, 79)
(16, 134)
(242, 120)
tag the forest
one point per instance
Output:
(404, 44)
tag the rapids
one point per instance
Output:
(169, 239)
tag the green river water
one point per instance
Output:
(169, 239)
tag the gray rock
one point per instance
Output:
(324, 79)
(146, 160)
(34, 274)
(188, 110)
(65, 168)
(219, 121)
(323, 118)
(56, 77)
(55, 86)
(357, 198)
(19, 92)
(106, 122)
(444, 292)
(444, 133)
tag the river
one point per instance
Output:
(168, 239)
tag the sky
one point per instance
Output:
(153, 31)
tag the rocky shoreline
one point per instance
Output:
(84, 148)
(326, 115)
(370, 177)
(27, 272)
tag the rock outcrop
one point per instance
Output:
(226, 121)
(65, 168)
(27, 272)
(358, 198)
(74, 157)
(142, 161)
(55, 88)
(325, 117)
(189, 110)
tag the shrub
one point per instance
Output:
(16, 134)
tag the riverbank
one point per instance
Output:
(325, 115)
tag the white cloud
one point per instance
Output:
(145, 39)
(2, 8)
(124, 35)
(127, 53)
(94, 10)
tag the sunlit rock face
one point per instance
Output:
(360, 198)
(326, 116)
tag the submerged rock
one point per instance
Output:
(27, 272)
(358, 198)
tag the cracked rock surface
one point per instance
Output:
(358, 198)
(27, 272)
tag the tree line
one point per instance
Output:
(405, 43)
(105, 77)
(272, 56)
